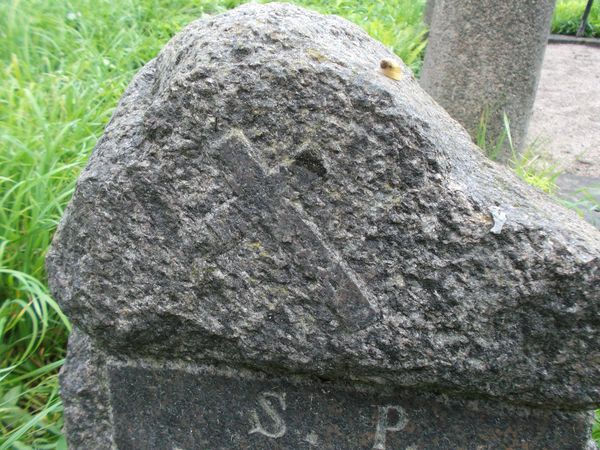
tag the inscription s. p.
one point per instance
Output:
(278, 427)
(390, 418)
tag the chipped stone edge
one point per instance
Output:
(85, 393)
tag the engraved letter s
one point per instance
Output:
(279, 428)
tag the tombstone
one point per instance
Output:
(484, 59)
(275, 246)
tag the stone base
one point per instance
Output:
(132, 405)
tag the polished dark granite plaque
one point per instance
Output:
(176, 409)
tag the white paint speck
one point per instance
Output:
(499, 217)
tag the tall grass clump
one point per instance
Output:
(64, 65)
(527, 164)
(567, 17)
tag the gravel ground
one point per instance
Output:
(566, 113)
(566, 123)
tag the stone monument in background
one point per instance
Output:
(484, 59)
(276, 246)
(428, 12)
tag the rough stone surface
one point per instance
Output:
(486, 55)
(262, 194)
(264, 197)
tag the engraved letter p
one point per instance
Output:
(385, 424)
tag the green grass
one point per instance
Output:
(531, 168)
(567, 17)
(64, 65)
(396, 23)
(527, 164)
(584, 201)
